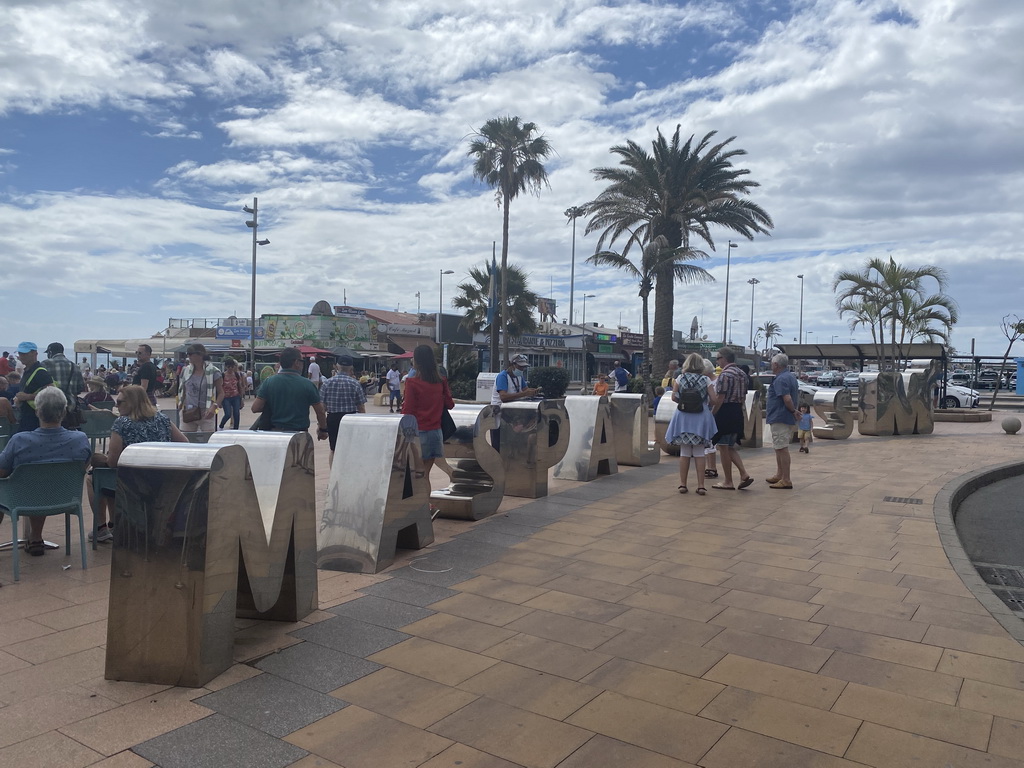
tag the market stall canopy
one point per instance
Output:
(339, 351)
(314, 351)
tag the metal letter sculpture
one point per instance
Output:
(195, 544)
(474, 467)
(591, 448)
(753, 419)
(377, 496)
(666, 408)
(534, 438)
(897, 404)
(833, 408)
(629, 422)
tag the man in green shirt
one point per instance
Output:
(288, 395)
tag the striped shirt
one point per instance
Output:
(732, 384)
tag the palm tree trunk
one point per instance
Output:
(664, 296)
(504, 283)
(645, 325)
(495, 324)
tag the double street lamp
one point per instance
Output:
(572, 213)
(253, 224)
(753, 281)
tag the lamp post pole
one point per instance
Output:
(753, 281)
(583, 388)
(440, 300)
(730, 329)
(725, 315)
(800, 331)
(572, 213)
(253, 224)
(584, 324)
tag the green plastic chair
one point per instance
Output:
(97, 426)
(39, 490)
(6, 430)
(103, 478)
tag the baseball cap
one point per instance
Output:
(27, 346)
(346, 360)
(54, 348)
(520, 361)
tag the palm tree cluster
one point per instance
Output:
(517, 313)
(891, 301)
(770, 331)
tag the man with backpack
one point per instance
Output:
(621, 377)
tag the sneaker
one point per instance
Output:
(103, 533)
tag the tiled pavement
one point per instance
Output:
(614, 623)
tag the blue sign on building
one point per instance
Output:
(238, 331)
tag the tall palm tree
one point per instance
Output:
(473, 295)
(658, 261)
(507, 155)
(678, 192)
(770, 331)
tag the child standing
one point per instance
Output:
(804, 428)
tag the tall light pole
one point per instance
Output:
(730, 329)
(753, 281)
(584, 324)
(440, 300)
(800, 330)
(254, 224)
(573, 213)
(728, 264)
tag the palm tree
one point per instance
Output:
(770, 331)
(677, 192)
(521, 301)
(658, 261)
(507, 155)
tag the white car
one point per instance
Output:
(959, 397)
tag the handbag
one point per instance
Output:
(192, 414)
(447, 424)
(262, 424)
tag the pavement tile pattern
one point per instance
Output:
(614, 623)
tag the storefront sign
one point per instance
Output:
(394, 329)
(634, 340)
(238, 332)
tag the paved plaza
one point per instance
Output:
(611, 624)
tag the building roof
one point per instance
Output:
(398, 318)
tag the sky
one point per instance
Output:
(133, 131)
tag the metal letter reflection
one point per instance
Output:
(534, 438)
(629, 423)
(897, 404)
(833, 408)
(474, 467)
(591, 449)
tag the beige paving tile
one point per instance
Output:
(48, 750)
(664, 650)
(908, 713)
(36, 716)
(459, 632)
(564, 629)
(970, 622)
(500, 589)
(602, 752)
(596, 589)
(10, 663)
(792, 609)
(236, 673)
(123, 692)
(771, 649)
(984, 645)
(945, 573)
(357, 738)
(865, 604)
(434, 661)
(531, 554)
(20, 629)
(118, 729)
(540, 546)
(482, 609)
(933, 686)
(691, 590)
(880, 647)
(407, 698)
(461, 756)
(75, 616)
(768, 624)
(743, 749)
(785, 590)
(984, 668)
(674, 606)
(658, 686)
(52, 675)
(600, 572)
(314, 761)
(813, 690)
(528, 689)
(861, 587)
(523, 574)
(883, 747)
(693, 555)
(576, 606)
(942, 586)
(990, 698)
(547, 656)
(690, 573)
(946, 602)
(576, 540)
(786, 720)
(34, 606)
(627, 547)
(1007, 738)
(875, 563)
(836, 616)
(512, 734)
(683, 630)
(58, 644)
(649, 726)
(128, 759)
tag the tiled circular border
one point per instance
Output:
(947, 502)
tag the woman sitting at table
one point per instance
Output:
(139, 422)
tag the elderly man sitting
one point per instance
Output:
(49, 443)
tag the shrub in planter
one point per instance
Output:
(463, 389)
(553, 381)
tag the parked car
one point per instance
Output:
(959, 397)
(987, 379)
(830, 379)
(852, 379)
(962, 379)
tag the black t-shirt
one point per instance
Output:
(149, 372)
(34, 379)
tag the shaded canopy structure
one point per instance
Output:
(864, 352)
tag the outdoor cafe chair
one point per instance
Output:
(103, 478)
(96, 426)
(39, 490)
(6, 430)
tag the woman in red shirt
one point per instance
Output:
(426, 396)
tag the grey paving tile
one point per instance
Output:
(314, 666)
(407, 591)
(436, 569)
(218, 742)
(381, 612)
(271, 705)
(351, 636)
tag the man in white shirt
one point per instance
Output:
(509, 385)
(314, 372)
(394, 377)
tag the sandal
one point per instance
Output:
(683, 489)
(710, 473)
(718, 487)
(746, 483)
(701, 491)
(35, 548)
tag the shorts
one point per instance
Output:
(396, 394)
(431, 444)
(782, 436)
(802, 433)
(727, 441)
(696, 451)
(333, 420)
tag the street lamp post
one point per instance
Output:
(440, 300)
(800, 330)
(585, 297)
(753, 281)
(730, 329)
(573, 213)
(253, 224)
(728, 264)
(583, 389)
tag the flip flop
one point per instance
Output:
(701, 491)
(718, 487)
(683, 489)
(710, 473)
(746, 483)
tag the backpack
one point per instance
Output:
(689, 399)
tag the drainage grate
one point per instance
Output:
(1001, 576)
(1014, 598)
(903, 500)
